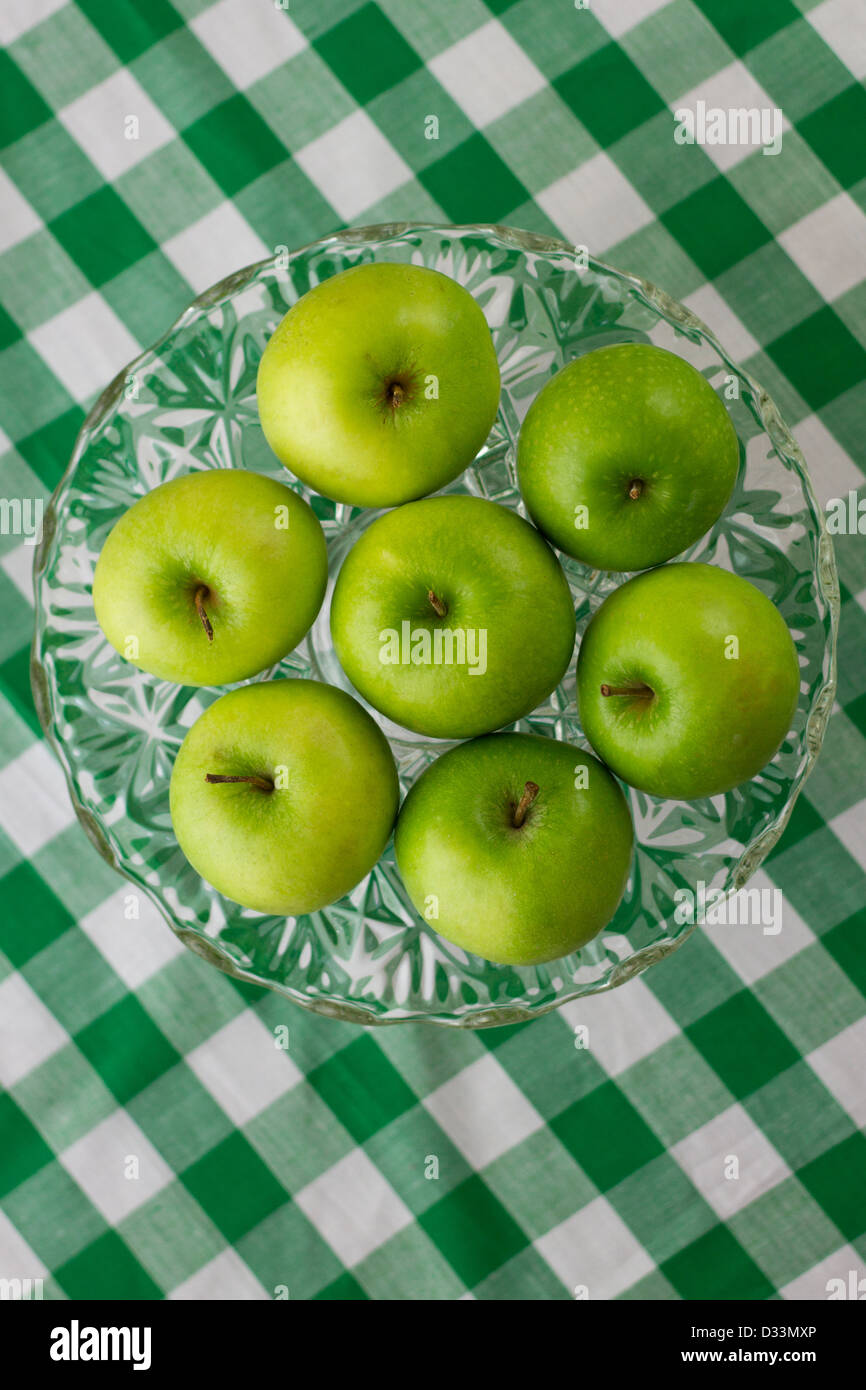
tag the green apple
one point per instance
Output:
(283, 795)
(515, 847)
(452, 616)
(380, 385)
(687, 681)
(626, 457)
(212, 577)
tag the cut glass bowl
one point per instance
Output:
(189, 403)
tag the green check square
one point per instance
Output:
(127, 1048)
(662, 1208)
(785, 1232)
(74, 957)
(23, 107)
(554, 48)
(64, 56)
(662, 172)
(653, 1288)
(150, 191)
(362, 1088)
(181, 78)
(232, 1184)
(300, 100)
(742, 1044)
(284, 207)
(299, 1137)
(102, 236)
(77, 874)
(388, 58)
(151, 1232)
(65, 1096)
(180, 1118)
(9, 330)
(445, 1053)
(54, 1216)
(315, 17)
(768, 292)
(820, 356)
(420, 119)
(782, 188)
(23, 1151)
(608, 94)
(515, 138)
(798, 70)
(15, 682)
(234, 144)
(836, 783)
(834, 1179)
(606, 1136)
(799, 1116)
(845, 944)
(810, 998)
(851, 308)
(526, 1278)
(430, 29)
(497, 1237)
(408, 203)
(696, 219)
(344, 1289)
(286, 1252)
(148, 296)
(17, 624)
(472, 184)
(844, 418)
(716, 1266)
(50, 169)
(408, 1266)
(743, 24)
(696, 979)
(129, 27)
(106, 1269)
(545, 1061)
(835, 132)
(38, 280)
(418, 1159)
(539, 1203)
(675, 1090)
(189, 1001)
(676, 49)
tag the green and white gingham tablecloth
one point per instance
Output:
(153, 1139)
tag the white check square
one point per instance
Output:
(483, 1112)
(618, 16)
(353, 165)
(596, 1251)
(624, 1025)
(243, 1068)
(730, 1161)
(487, 73)
(834, 473)
(841, 1065)
(19, 221)
(734, 89)
(353, 1208)
(225, 1277)
(34, 802)
(132, 935)
(829, 246)
(85, 346)
(595, 206)
(116, 124)
(840, 24)
(248, 41)
(116, 1166)
(29, 1034)
(211, 248)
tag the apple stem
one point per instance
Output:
(530, 792)
(263, 783)
(640, 692)
(635, 488)
(440, 607)
(396, 394)
(200, 595)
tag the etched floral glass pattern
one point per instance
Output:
(189, 403)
